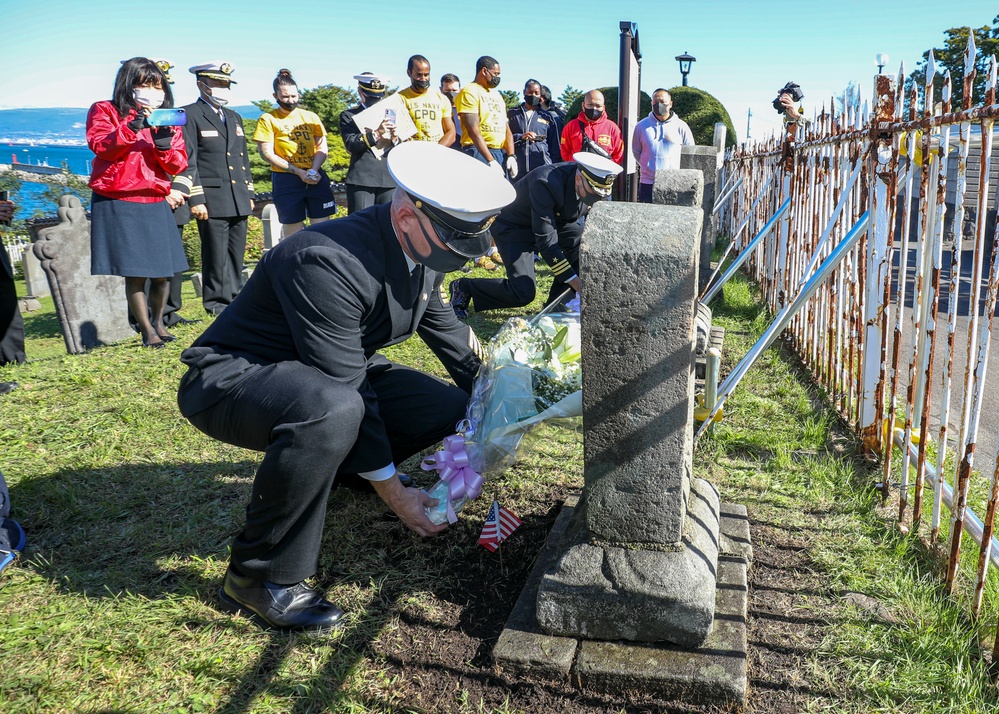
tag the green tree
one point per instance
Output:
(328, 101)
(702, 111)
(951, 57)
(849, 97)
(259, 168)
(10, 181)
(569, 96)
(511, 97)
(264, 105)
(67, 184)
(610, 104)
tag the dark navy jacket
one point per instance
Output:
(532, 154)
(331, 297)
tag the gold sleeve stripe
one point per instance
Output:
(475, 345)
(183, 180)
(562, 268)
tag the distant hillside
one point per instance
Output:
(60, 125)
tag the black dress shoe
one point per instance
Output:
(8, 387)
(288, 608)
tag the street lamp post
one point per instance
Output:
(685, 61)
(880, 59)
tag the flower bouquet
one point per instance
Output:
(531, 373)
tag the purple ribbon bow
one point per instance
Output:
(451, 463)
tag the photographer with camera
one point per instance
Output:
(789, 95)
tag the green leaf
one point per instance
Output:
(560, 336)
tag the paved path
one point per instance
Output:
(988, 428)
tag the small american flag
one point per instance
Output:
(500, 523)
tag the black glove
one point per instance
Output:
(162, 137)
(139, 123)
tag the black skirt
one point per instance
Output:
(134, 240)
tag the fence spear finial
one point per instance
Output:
(969, 54)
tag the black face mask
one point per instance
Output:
(451, 96)
(532, 100)
(590, 198)
(368, 99)
(421, 83)
(592, 113)
(440, 259)
(287, 106)
(494, 81)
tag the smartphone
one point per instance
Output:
(390, 115)
(167, 117)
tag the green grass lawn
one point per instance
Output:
(129, 511)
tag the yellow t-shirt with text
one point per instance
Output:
(489, 105)
(427, 111)
(293, 135)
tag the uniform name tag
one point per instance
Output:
(209, 132)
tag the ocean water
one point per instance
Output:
(30, 199)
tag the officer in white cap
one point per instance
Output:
(368, 179)
(218, 183)
(546, 217)
(292, 369)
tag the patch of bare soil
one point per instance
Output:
(443, 663)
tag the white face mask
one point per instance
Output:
(148, 97)
(220, 95)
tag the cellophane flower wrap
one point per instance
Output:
(531, 373)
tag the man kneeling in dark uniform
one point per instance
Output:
(290, 368)
(547, 217)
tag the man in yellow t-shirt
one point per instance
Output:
(429, 109)
(484, 131)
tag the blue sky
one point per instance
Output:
(65, 53)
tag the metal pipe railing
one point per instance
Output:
(867, 301)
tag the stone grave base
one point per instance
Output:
(714, 672)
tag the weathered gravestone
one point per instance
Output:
(91, 308)
(705, 159)
(272, 227)
(643, 582)
(35, 282)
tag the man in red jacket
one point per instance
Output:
(592, 131)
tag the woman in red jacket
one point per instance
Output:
(132, 231)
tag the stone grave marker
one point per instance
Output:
(91, 308)
(642, 583)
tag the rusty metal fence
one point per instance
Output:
(886, 286)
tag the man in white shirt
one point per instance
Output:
(656, 142)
